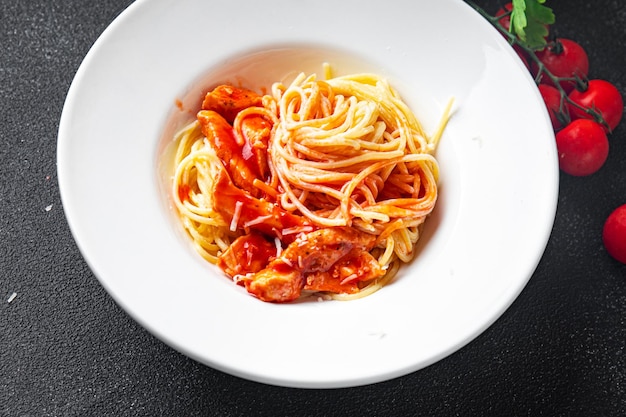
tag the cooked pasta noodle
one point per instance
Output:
(317, 160)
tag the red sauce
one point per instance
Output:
(183, 192)
(229, 100)
(275, 219)
(334, 261)
(237, 160)
(247, 254)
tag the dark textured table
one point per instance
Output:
(66, 349)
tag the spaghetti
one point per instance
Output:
(321, 186)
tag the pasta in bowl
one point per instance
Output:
(140, 85)
(318, 188)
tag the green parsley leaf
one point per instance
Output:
(530, 20)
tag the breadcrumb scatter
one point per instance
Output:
(12, 297)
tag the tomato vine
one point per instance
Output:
(582, 111)
(525, 40)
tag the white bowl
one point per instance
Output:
(498, 188)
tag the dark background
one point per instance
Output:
(66, 349)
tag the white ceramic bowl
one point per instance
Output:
(498, 189)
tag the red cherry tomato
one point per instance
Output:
(601, 96)
(564, 59)
(582, 146)
(614, 234)
(552, 99)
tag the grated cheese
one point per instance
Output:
(279, 247)
(278, 233)
(297, 229)
(258, 220)
(242, 277)
(235, 221)
(349, 278)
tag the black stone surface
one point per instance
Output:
(66, 349)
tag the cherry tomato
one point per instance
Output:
(601, 96)
(564, 59)
(614, 234)
(582, 146)
(552, 99)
